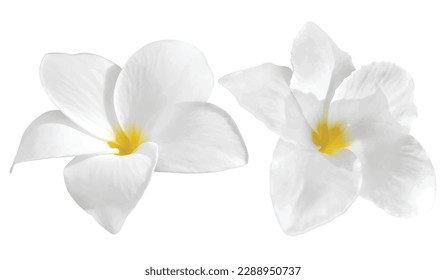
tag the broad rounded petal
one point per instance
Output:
(197, 137)
(370, 109)
(53, 135)
(265, 92)
(398, 175)
(160, 74)
(319, 66)
(309, 189)
(108, 187)
(82, 87)
(386, 78)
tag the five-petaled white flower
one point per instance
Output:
(344, 133)
(122, 124)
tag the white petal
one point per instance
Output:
(82, 86)
(54, 135)
(264, 91)
(398, 175)
(160, 74)
(309, 189)
(391, 80)
(371, 109)
(108, 187)
(311, 108)
(319, 66)
(197, 137)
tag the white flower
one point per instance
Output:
(121, 124)
(344, 133)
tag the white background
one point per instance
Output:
(221, 220)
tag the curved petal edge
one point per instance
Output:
(53, 135)
(309, 189)
(398, 174)
(196, 137)
(108, 187)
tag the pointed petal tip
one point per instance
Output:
(226, 79)
(108, 221)
(223, 79)
(310, 24)
(113, 229)
(13, 164)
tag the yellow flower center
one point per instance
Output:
(329, 138)
(126, 141)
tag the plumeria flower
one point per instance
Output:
(122, 124)
(344, 133)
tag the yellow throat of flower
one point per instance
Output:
(329, 138)
(126, 141)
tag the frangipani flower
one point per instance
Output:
(344, 133)
(122, 124)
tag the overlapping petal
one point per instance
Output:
(309, 189)
(265, 92)
(319, 65)
(370, 109)
(387, 78)
(398, 175)
(107, 186)
(82, 87)
(197, 137)
(159, 95)
(376, 101)
(54, 135)
(160, 74)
